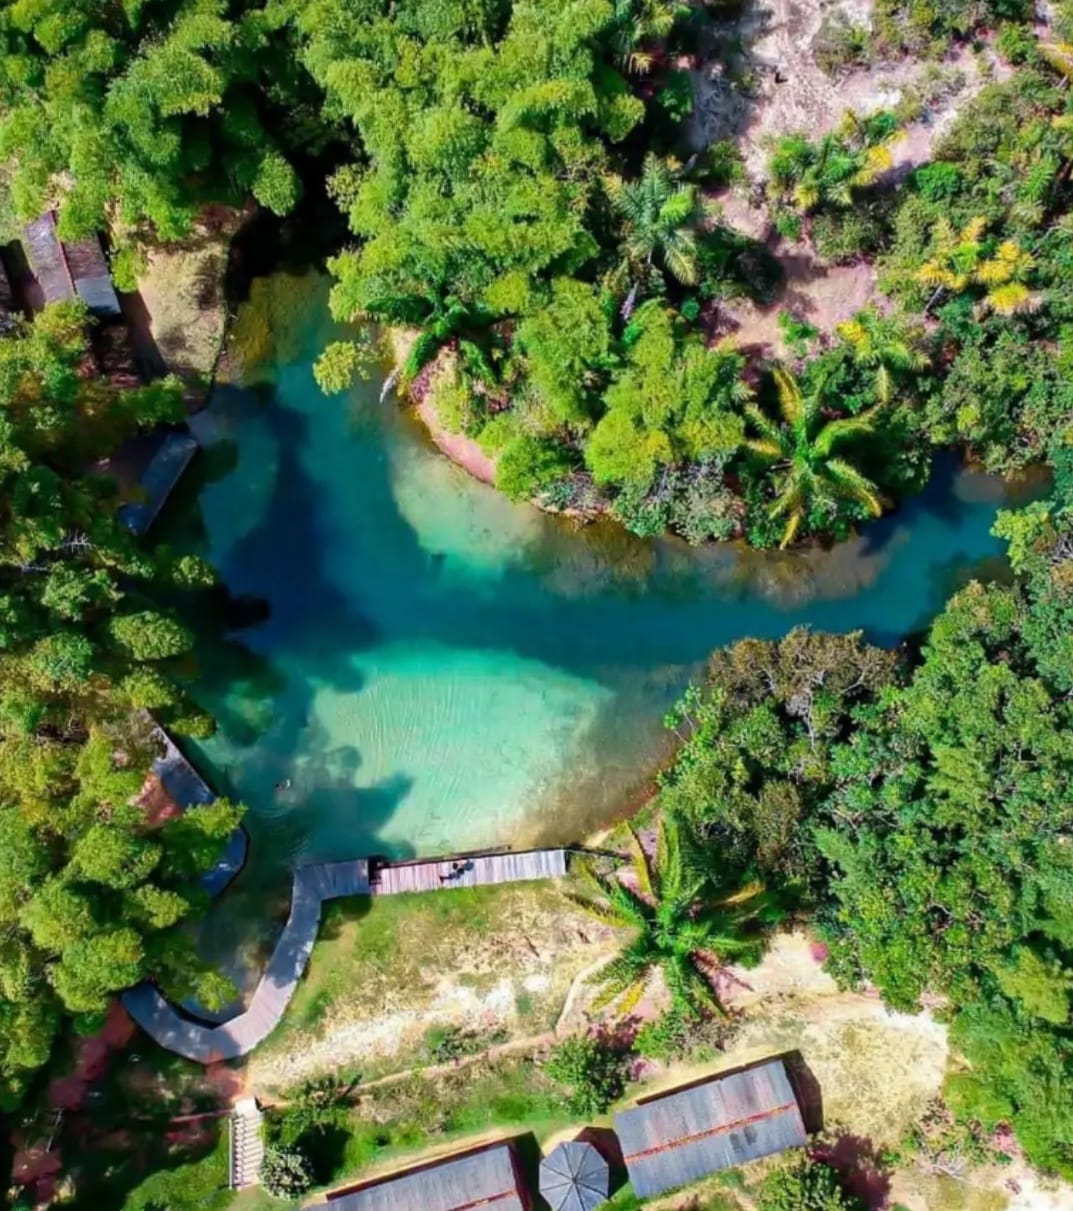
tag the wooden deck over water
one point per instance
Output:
(476, 870)
(205, 1044)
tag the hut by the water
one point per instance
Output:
(490, 1178)
(68, 271)
(681, 1137)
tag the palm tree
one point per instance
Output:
(961, 259)
(639, 21)
(801, 451)
(442, 319)
(677, 928)
(826, 173)
(884, 344)
(659, 214)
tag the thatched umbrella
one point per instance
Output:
(575, 1177)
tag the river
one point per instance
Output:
(442, 670)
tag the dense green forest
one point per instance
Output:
(920, 812)
(90, 885)
(518, 196)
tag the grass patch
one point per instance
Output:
(387, 975)
(408, 1120)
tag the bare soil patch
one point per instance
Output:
(762, 81)
(779, 87)
(823, 295)
(183, 312)
(497, 963)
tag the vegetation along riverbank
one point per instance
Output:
(729, 270)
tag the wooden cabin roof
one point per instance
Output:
(684, 1136)
(488, 1179)
(67, 271)
(158, 480)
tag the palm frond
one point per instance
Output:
(793, 524)
(850, 482)
(424, 349)
(774, 438)
(884, 384)
(1012, 299)
(837, 431)
(642, 865)
(791, 401)
(680, 253)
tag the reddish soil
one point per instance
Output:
(461, 450)
(158, 804)
(91, 1059)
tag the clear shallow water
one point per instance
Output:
(442, 670)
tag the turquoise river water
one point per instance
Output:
(441, 670)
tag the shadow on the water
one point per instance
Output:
(326, 562)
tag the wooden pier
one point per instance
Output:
(312, 885)
(467, 870)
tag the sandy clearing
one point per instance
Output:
(181, 311)
(789, 92)
(824, 295)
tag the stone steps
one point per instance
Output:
(247, 1144)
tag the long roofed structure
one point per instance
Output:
(488, 1178)
(69, 271)
(681, 1137)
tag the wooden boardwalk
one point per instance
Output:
(476, 870)
(177, 1032)
(173, 1029)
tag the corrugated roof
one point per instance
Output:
(158, 480)
(69, 271)
(7, 295)
(485, 1179)
(92, 277)
(685, 1136)
(47, 260)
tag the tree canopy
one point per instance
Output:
(90, 884)
(133, 114)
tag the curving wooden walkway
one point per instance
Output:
(206, 1044)
(172, 1029)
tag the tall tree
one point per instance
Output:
(811, 482)
(679, 925)
(659, 216)
(90, 885)
(133, 114)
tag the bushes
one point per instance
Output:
(804, 1184)
(285, 1172)
(844, 236)
(592, 1073)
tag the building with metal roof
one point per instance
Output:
(8, 308)
(575, 1177)
(681, 1137)
(488, 1178)
(66, 271)
(158, 480)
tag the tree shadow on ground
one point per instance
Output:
(862, 1166)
